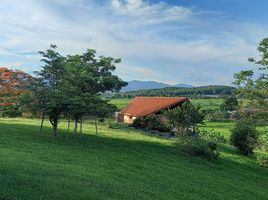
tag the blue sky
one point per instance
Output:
(197, 42)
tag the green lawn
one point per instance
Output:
(222, 127)
(120, 103)
(117, 164)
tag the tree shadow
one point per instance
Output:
(121, 146)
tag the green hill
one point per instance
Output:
(117, 164)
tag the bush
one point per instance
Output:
(263, 160)
(151, 122)
(138, 123)
(213, 136)
(244, 137)
(198, 147)
(263, 140)
(10, 111)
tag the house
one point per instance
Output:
(144, 106)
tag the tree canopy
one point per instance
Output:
(253, 86)
(71, 85)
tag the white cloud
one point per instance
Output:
(157, 41)
(149, 12)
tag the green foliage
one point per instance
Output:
(10, 111)
(218, 115)
(251, 89)
(185, 117)
(212, 135)
(72, 85)
(244, 137)
(230, 103)
(263, 160)
(151, 122)
(263, 140)
(197, 147)
(138, 123)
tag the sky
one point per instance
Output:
(197, 42)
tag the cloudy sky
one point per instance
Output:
(197, 42)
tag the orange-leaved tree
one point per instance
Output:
(12, 85)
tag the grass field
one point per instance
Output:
(206, 104)
(117, 164)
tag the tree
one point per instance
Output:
(185, 117)
(49, 89)
(230, 103)
(13, 83)
(72, 86)
(255, 90)
(88, 77)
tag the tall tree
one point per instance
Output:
(51, 83)
(88, 77)
(253, 87)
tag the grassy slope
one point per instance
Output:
(117, 164)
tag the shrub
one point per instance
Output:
(263, 140)
(263, 160)
(198, 147)
(151, 122)
(138, 123)
(213, 136)
(244, 137)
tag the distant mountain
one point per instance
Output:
(182, 85)
(138, 85)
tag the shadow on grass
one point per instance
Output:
(12, 133)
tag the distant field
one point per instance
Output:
(206, 104)
(222, 127)
(120, 103)
(117, 164)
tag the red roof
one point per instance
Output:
(143, 106)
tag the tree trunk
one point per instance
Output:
(54, 121)
(96, 125)
(75, 125)
(42, 122)
(69, 120)
(55, 130)
(81, 126)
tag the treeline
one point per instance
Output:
(194, 92)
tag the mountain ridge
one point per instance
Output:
(135, 85)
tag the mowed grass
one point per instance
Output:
(116, 164)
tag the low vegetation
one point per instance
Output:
(245, 137)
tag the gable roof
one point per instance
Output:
(143, 106)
